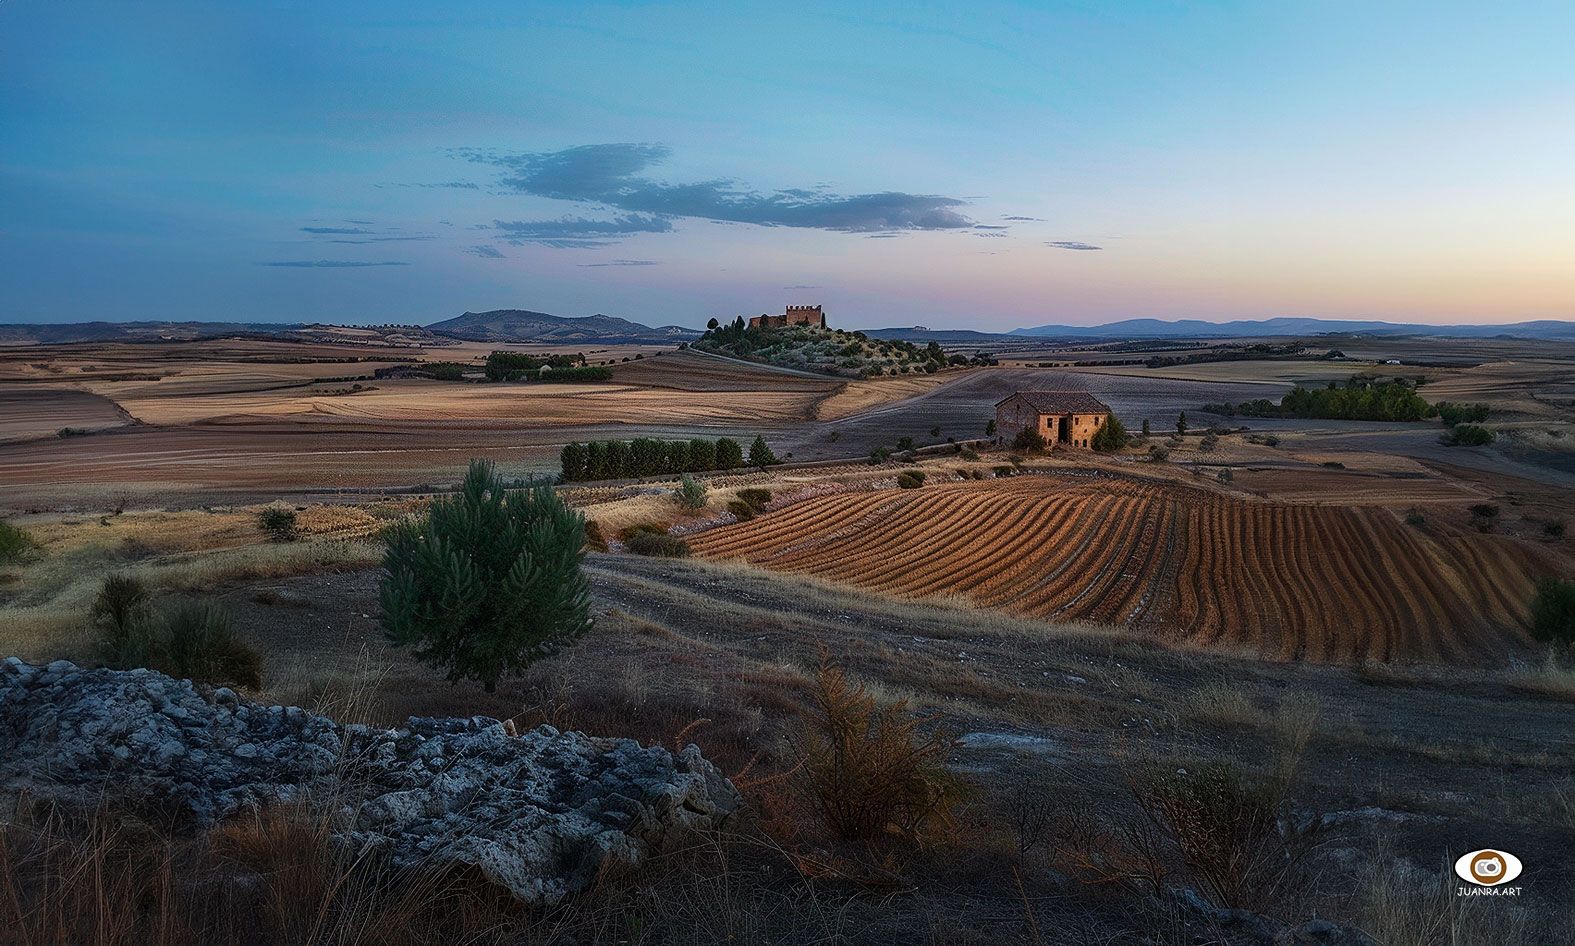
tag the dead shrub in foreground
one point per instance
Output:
(1229, 829)
(869, 771)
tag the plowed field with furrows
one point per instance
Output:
(1323, 583)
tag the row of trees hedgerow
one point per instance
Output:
(644, 456)
(1356, 400)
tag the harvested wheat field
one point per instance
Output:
(1288, 581)
(28, 413)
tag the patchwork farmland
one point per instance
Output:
(1287, 581)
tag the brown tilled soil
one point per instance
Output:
(1287, 581)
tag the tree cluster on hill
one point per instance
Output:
(644, 456)
(1358, 399)
(830, 351)
(520, 366)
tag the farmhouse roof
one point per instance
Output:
(1061, 402)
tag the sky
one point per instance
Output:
(984, 165)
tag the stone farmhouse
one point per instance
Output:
(792, 315)
(1063, 418)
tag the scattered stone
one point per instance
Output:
(1228, 927)
(539, 813)
(1017, 742)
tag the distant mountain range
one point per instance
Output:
(1196, 328)
(54, 334)
(498, 325)
(945, 336)
(521, 325)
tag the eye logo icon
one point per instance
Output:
(1487, 867)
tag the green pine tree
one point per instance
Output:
(760, 455)
(729, 455)
(1111, 435)
(573, 462)
(488, 580)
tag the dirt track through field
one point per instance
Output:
(1320, 583)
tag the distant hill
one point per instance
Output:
(78, 332)
(1197, 328)
(521, 325)
(945, 336)
(65, 332)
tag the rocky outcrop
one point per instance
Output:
(539, 813)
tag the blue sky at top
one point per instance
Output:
(397, 161)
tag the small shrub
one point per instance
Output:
(904, 444)
(935, 431)
(656, 543)
(1468, 435)
(278, 521)
(15, 543)
(1226, 476)
(879, 455)
(1209, 441)
(1004, 471)
(1553, 529)
(910, 479)
(1333, 464)
(691, 492)
(1158, 454)
(593, 536)
(195, 642)
(1484, 511)
(1553, 611)
(1032, 808)
(121, 613)
(741, 510)
(969, 454)
(869, 770)
(1028, 440)
(756, 497)
(1414, 517)
(1232, 828)
(1453, 414)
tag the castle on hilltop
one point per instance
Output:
(792, 315)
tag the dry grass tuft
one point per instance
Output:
(1217, 704)
(1553, 679)
(108, 877)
